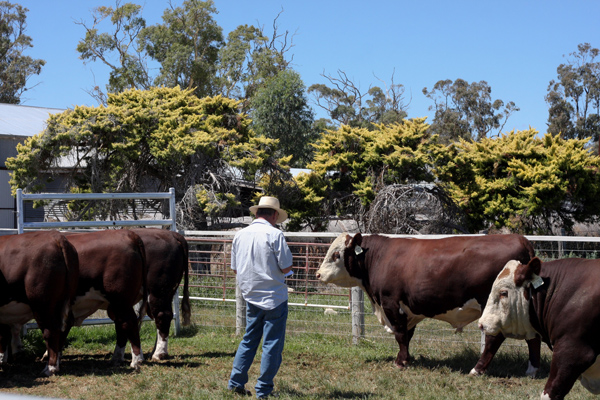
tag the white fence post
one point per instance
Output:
(240, 311)
(176, 316)
(358, 314)
(20, 213)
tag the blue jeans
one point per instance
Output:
(270, 326)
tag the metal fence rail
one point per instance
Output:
(327, 309)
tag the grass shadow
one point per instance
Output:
(503, 365)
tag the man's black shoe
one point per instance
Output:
(239, 390)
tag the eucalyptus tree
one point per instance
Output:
(347, 104)
(280, 111)
(15, 67)
(186, 45)
(118, 49)
(466, 110)
(574, 97)
(250, 57)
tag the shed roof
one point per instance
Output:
(18, 120)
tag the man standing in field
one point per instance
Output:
(261, 258)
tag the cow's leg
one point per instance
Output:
(535, 348)
(566, 367)
(492, 344)
(163, 315)
(16, 343)
(52, 336)
(127, 328)
(399, 324)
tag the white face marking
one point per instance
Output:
(332, 269)
(507, 310)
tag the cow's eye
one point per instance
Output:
(336, 256)
(504, 293)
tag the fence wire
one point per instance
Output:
(317, 308)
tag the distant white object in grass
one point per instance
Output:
(330, 311)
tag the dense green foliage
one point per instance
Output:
(352, 164)
(147, 141)
(15, 67)
(526, 183)
(201, 141)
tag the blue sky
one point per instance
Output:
(515, 46)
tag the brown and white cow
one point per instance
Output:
(167, 261)
(112, 277)
(558, 301)
(38, 279)
(408, 280)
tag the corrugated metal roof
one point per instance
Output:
(17, 120)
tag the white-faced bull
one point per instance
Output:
(408, 280)
(558, 301)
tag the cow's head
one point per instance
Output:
(341, 255)
(507, 308)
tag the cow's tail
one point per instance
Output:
(144, 303)
(72, 268)
(186, 309)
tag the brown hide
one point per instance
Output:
(432, 276)
(39, 269)
(167, 261)
(565, 310)
(113, 262)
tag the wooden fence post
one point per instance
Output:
(357, 305)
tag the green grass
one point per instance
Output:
(315, 366)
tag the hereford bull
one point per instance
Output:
(558, 301)
(408, 280)
(167, 261)
(112, 277)
(38, 279)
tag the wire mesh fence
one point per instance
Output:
(317, 308)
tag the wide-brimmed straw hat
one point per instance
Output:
(273, 203)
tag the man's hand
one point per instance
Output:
(286, 270)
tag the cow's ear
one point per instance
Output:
(528, 272)
(356, 240)
(354, 244)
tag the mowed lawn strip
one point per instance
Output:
(315, 366)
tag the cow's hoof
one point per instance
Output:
(531, 371)
(159, 357)
(402, 365)
(474, 372)
(50, 370)
(136, 361)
